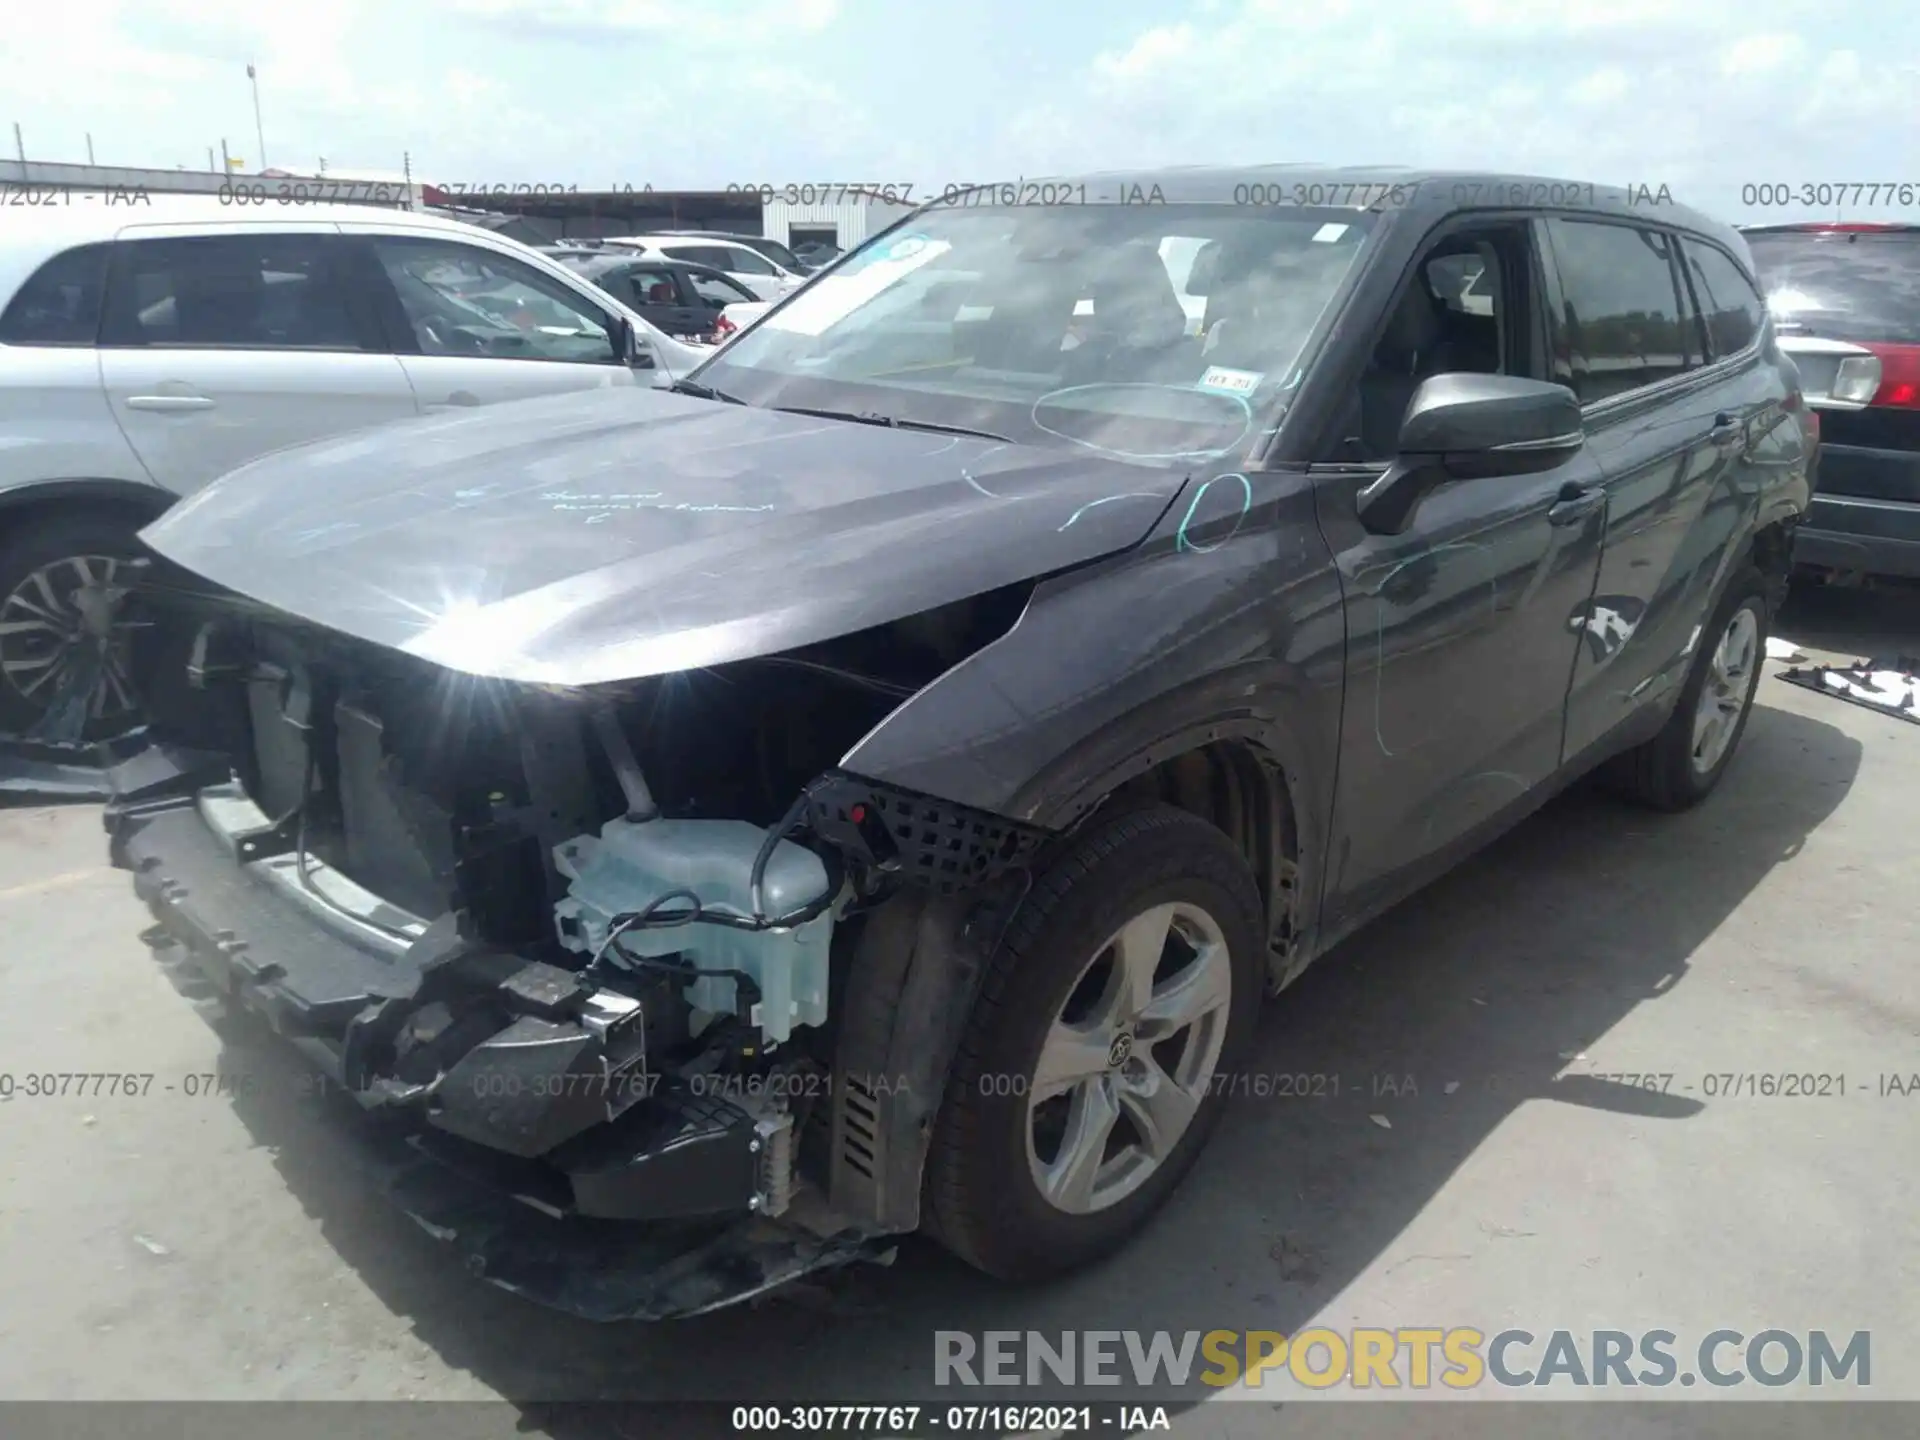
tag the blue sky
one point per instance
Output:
(1704, 96)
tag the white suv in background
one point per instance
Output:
(147, 350)
(759, 273)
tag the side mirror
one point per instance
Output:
(630, 345)
(1471, 427)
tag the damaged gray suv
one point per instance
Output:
(872, 788)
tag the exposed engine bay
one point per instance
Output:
(586, 943)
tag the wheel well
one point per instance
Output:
(1237, 789)
(1773, 557)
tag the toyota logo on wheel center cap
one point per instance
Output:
(1120, 1051)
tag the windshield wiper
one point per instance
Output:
(893, 422)
(703, 392)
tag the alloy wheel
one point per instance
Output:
(64, 643)
(1129, 1059)
(1729, 683)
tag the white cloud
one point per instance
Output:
(1758, 54)
(1841, 67)
(1700, 96)
(1587, 17)
(1163, 46)
(1615, 91)
(1602, 87)
(576, 91)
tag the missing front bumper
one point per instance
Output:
(645, 1207)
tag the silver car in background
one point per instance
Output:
(148, 349)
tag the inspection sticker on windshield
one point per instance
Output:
(1327, 234)
(1222, 381)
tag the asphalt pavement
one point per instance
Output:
(1487, 1159)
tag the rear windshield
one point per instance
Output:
(1859, 286)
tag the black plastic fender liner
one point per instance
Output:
(920, 839)
(917, 970)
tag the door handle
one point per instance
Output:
(1574, 507)
(169, 404)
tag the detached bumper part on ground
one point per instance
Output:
(1890, 685)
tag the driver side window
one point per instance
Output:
(1461, 310)
(461, 300)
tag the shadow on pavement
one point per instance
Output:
(1857, 624)
(1527, 953)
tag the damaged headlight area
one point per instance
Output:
(585, 944)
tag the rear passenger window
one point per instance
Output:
(1732, 307)
(742, 260)
(60, 303)
(1622, 325)
(242, 292)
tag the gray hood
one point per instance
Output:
(610, 534)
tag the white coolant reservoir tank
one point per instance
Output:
(633, 863)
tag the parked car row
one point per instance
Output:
(748, 260)
(142, 358)
(686, 301)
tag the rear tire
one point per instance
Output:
(1005, 1191)
(1680, 766)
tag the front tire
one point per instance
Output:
(1086, 1082)
(1681, 765)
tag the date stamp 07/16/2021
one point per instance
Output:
(809, 1083)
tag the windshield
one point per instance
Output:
(1846, 285)
(1151, 332)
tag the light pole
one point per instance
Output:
(259, 134)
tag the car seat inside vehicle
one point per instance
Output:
(1137, 322)
(1429, 333)
(220, 307)
(1261, 305)
(1412, 348)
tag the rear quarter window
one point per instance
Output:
(1862, 286)
(246, 290)
(745, 261)
(60, 303)
(1731, 307)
